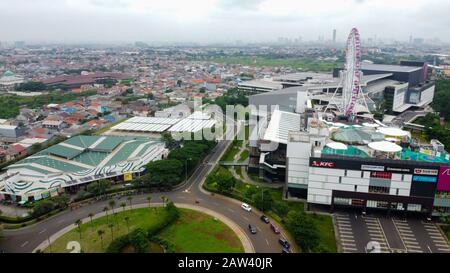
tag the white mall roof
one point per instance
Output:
(280, 124)
(337, 146)
(146, 124)
(392, 131)
(385, 146)
(192, 125)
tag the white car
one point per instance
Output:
(246, 207)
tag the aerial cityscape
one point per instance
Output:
(224, 139)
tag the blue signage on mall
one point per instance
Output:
(417, 178)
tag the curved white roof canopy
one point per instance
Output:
(337, 146)
(391, 131)
(385, 146)
(372, 125)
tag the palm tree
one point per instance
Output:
(90, 216)
(111, 226)
(127, 220)
(78, 223)
(130, 198)
(112, 204)
(105, 210)
(163, 198)
(149, 199)
(100, 234)
(123, 205)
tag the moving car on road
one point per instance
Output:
(252, 229)
(284, 243)
(274, 228)
(246, 207)
(265, 219)
(286, 250)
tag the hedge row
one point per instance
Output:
(172, 214)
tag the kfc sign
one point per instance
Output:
(323, 164)
(426, 171)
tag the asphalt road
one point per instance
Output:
(265, 241)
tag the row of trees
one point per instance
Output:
(441, 98)
(10, 105)
(182, 160)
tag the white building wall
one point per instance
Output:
(323, 181)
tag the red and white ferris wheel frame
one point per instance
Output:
(352, 82)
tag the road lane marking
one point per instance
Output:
(24, 244)
(232, 210)
(42, 231)
(245, 218)
(267, 242)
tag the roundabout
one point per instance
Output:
(196, 230)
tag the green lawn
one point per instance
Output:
(244, 155)
(193, 232)
(200, 233)
(232, 151)
(90, 241)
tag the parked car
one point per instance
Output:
(274, 228)
(246, 207)
(286, 250)
(284, 243)
(252, 229)
(265, 219)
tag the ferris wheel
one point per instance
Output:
(351, 78)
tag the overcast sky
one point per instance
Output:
(219, 20)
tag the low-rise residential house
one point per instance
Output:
(53, 124)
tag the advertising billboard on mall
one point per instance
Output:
(444, 179)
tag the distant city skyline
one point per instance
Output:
(219, 21)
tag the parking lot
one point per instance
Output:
(380, 233)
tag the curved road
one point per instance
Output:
(265, 241)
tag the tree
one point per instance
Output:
(263, 199)
(90, 216)
(111, 228)
(130, 199)
(99, 187)
(149, 200)
(112, 204)
(169, 141)
(78, 223)
(223, 179)
(304, 230)
(43, 207)
(61, 201)
(100, 234)
(163, 198)
(123, 205)
(105, 210)
(164, 173)
(138, 239)
(127, 220)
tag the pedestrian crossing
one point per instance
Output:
(345, 232)
(408, 238)
(441, 244)
(376, 233)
